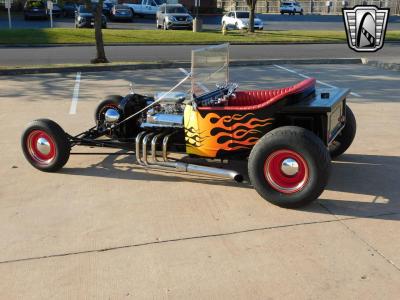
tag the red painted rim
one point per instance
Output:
(36, 154)
(280, 181)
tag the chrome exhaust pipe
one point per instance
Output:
(145, 141)
(137, 146)
(172, 165)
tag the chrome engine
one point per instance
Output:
(168, 112)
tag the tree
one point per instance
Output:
(98, 33)
(252, 8)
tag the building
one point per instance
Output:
(310, 6)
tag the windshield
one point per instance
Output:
(242, 15)
(84, 10)
(176, 10)
(160, 2)
(287, 3)
(35, 4)
(210, 66)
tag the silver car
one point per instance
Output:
(173, 16)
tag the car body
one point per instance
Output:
(145, 7)
(291, 8)
(121, 13)
(173, 16)
(69, 9)
(286, 135)
(241, 20)
(84, 18)
(107, 7)
(56, 11)
(35, 10)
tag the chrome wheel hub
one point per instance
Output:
(290, 167)
(43, 146)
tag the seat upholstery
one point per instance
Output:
(253, 100)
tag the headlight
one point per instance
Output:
(81, 19)
(190, 18)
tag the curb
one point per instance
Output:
(168, 65)
(392, 66)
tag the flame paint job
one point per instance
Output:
(210, 133)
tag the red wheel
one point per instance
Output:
(45, 145)
(289, 166)
(41, 147)
(286, 171)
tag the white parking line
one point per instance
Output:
(318, 81)
(75, 96)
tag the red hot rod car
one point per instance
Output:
(288, 135)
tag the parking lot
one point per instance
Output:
(272, 22)
(106, 228)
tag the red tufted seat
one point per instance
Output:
(253, 100)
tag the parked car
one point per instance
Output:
(241, 20)
(85, 18)
(121, 13)
(146, 7)
(35, 9)
(69, 9)
(172, 16)
(291, 8)
(287, 136)
(56, 11)
(107, 7)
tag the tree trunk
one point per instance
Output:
(252, 7)
(100, 53)
(251, 23)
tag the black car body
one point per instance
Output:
(121, 13)
(84, 18)
(35, 9)
(69, 9)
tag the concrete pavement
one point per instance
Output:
(104, 228)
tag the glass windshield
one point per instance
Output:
(160, 2)
(210, 66)
(176, 10)
(242, 15)
(84, 10)
(35, 4)
(287, 3)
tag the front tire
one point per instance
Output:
(111, 102)
(344, 140)
(289, 166)
(45, 145)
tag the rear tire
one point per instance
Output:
(45, 145)
(289, 166)
(344, 140)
